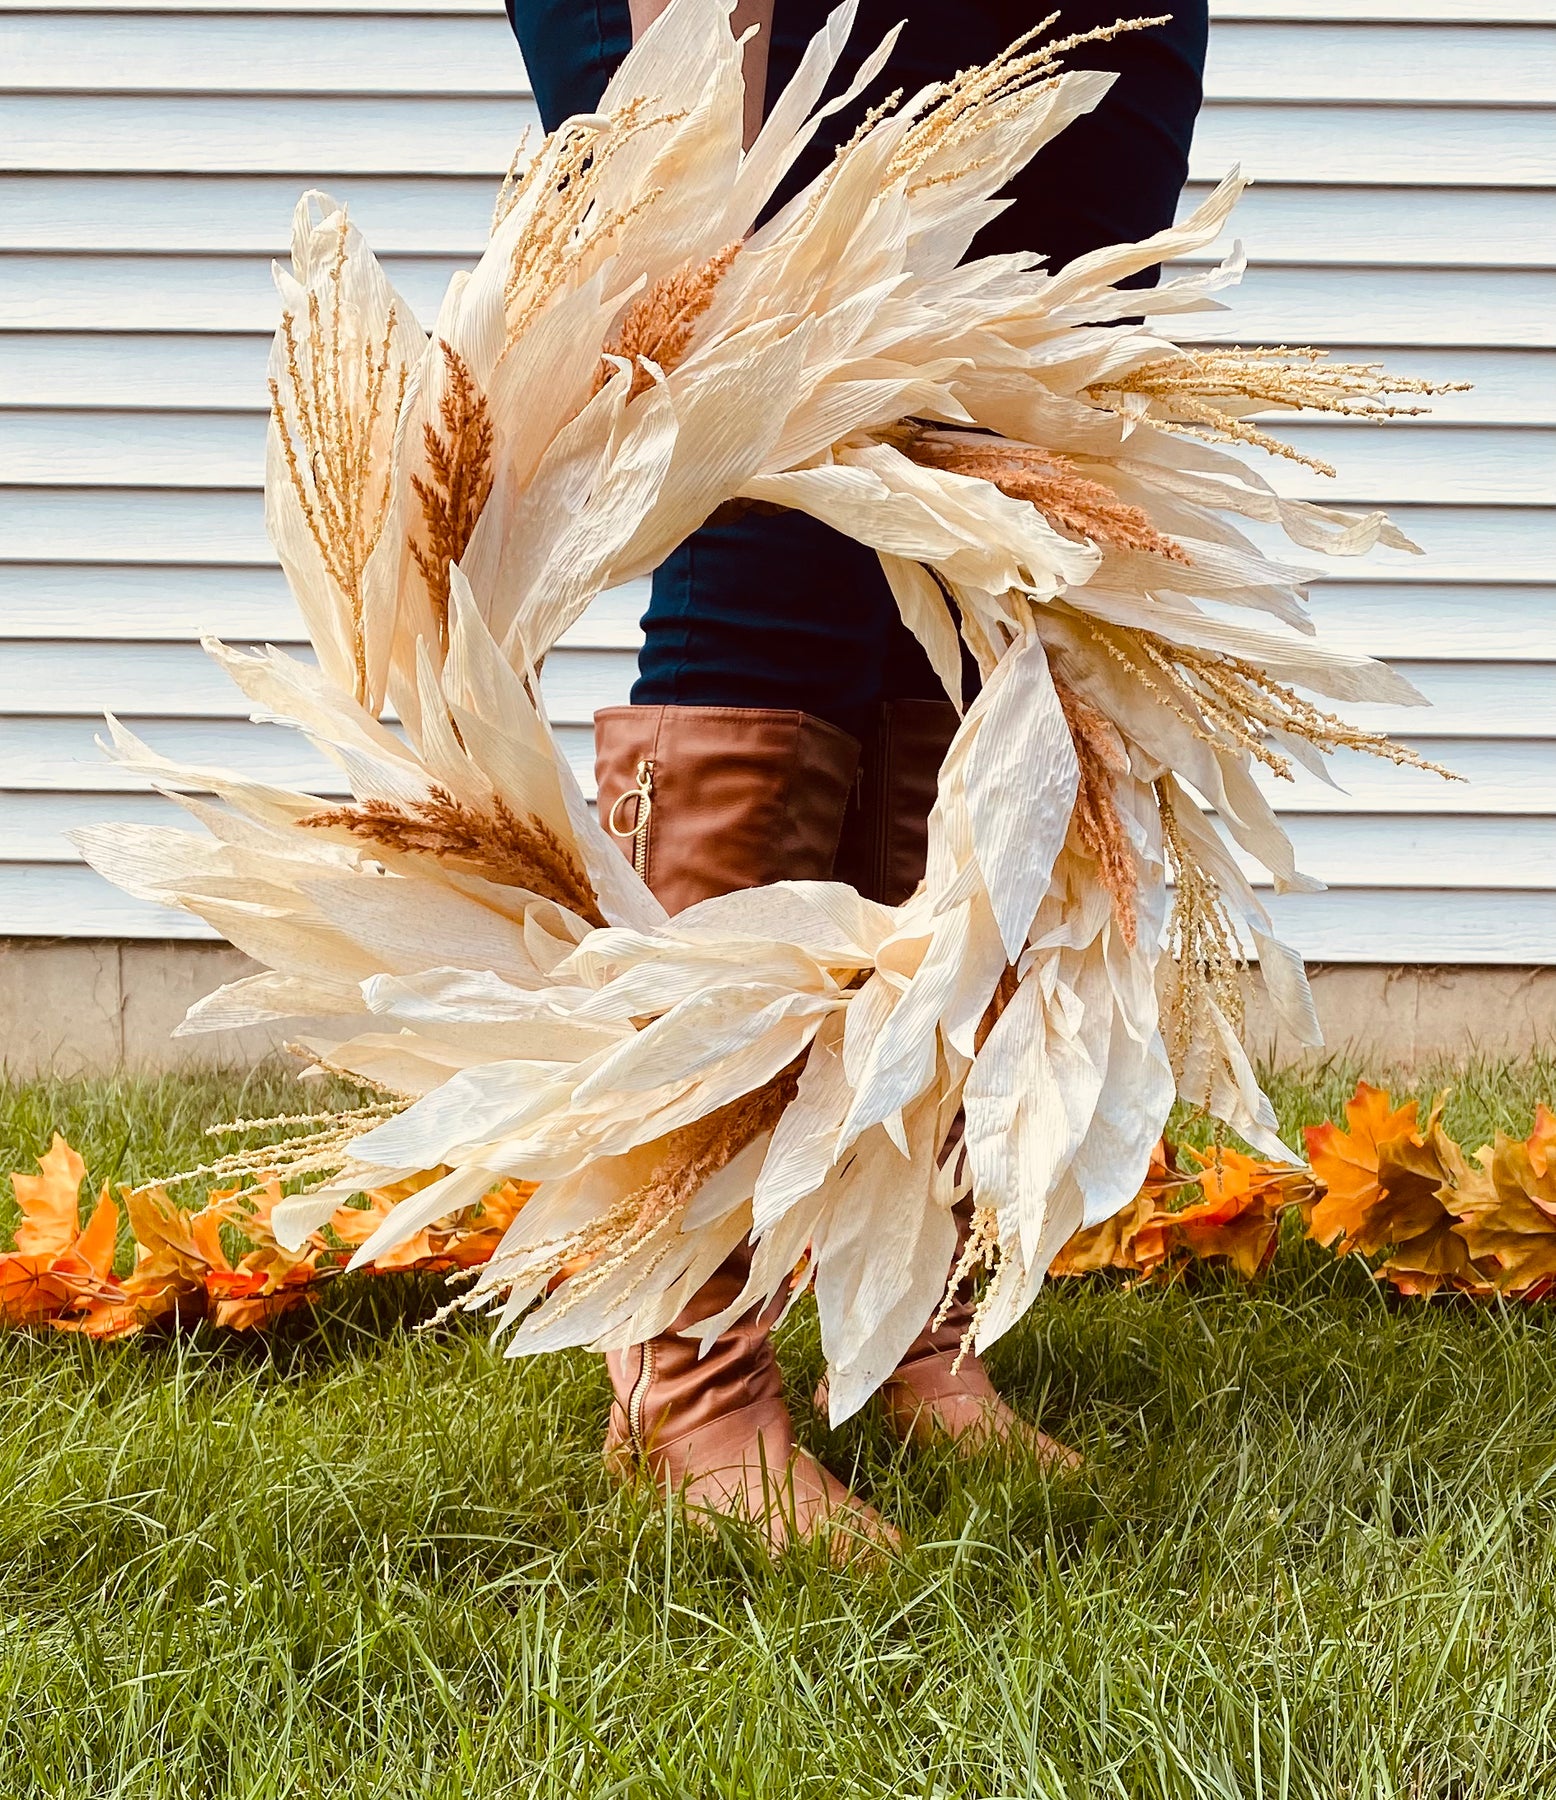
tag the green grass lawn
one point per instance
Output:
(1310, 1554)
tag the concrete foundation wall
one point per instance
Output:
(77, 1006)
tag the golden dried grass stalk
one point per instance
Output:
(1184, 390)
(974, 100)
(651, 1213)
(1098, 823)
(1206, 953)
(1069, 500)
(567, 222)
(1245, 702)
(500, 845)
(657, 327)
(326, 423)
(459, 461)
(320, 1152)
(1224, 699)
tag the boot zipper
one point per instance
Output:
(643, 793)
(636, 1399)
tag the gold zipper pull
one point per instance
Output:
(643, 794)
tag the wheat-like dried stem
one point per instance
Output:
(1207, 960)
(657, 327)
(327, 422)
(460, 464)
(499, 845)
(647, 1218)
(1184, 389)
(1227, 701)
(567, 222)
(1071, 501)
(1098, 823)
(975, 100)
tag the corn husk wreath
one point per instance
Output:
(792, 1062)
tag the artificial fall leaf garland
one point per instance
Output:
(186, 1265)
(1400, 1194)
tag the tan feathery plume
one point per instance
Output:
(336, 407)
(1207, 960)
(651, 1212)
(567, 224)
(972, 102)
(1184, 389)
(1070, 501)
(516, 852)
(1225, 699)
(1098, 823)
(657, 327)
(460, 463)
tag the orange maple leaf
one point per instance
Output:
(58, 1267)
(1506, 1208)
(1345, 1165)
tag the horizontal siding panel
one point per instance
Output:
(1446, 145)
(1471, 700)
(1407, 12)
(1359, 925)
(450, 215)
(1443, 226)
(1503, 308)
(1457, 543)
(194, 372)
(179, 681)
(1488, 307)
(441, 215)
(241, 135)
(175, 293)
(125, 525)
(62, 755)
(1278, 60)
(1429, 926)
(1460, 623)
(257, 52)
(1384, 465)
(71, 603)
(67, 603)
(1473, 146)
(34, 898)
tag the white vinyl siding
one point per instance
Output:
(1404, 158)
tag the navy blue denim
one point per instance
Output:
(781, 611)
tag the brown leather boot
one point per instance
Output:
(886, 833)
(705, 800)
(885, 842)
(929, 1395)
(716, 1431)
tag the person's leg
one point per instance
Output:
(732, 773)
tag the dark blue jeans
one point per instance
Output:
(781, 611)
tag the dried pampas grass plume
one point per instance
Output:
(1207, 960)
(459, 461)
(1069, 500)
(327, 421)
(500, 846)
(1098, 823)
(650, 1213)
(1184, 390)
(658, 325)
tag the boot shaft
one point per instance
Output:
(708, 799)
